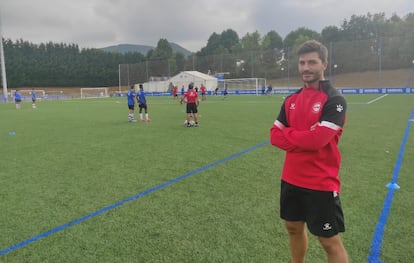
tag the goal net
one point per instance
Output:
(243, 85)
(91, 93)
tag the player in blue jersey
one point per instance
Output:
(17, 99)
(142, 104)
(225, 92)
(34, 99)
(131, 104)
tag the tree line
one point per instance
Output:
(361, 43)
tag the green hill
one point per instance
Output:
(143, 49)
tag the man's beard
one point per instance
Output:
(312, 77)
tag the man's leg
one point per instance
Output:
(188, 119)
(334, 248)
(298, 240)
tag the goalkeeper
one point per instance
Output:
(142, 104)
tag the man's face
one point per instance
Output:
(311, 68)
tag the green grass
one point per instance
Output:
(71, 158)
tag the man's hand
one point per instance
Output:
(314, 126)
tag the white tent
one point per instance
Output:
(183, 79)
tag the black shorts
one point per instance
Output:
(131, 107)
(321, 210)
(142, 106)
(192, 108)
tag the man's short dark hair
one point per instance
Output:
(313, 46)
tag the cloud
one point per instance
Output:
(100, 23)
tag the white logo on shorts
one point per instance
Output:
(326, 227)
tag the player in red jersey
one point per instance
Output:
(175, 92)
(308, 128)
(203, 92)
(191, 97)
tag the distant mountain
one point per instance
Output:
(177, 48)
(143, 49)
(124, 48)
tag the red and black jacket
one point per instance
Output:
(308, 128)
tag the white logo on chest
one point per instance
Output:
(316, 107)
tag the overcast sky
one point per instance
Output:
(189, 23)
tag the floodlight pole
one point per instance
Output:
(288, 67)
(119, 78)
(3, 69)
(380, 62)
(3, 66)
(410, 76)
(333, 76)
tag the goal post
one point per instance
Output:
(243, 85)
(93, 93)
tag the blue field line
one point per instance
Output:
(375, 252)
(131, 198)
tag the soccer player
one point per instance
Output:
(17, 99)
(192, 103)
(203, 92)
(131, 104)
(142, 104)
(175, 92)
(225, 92)
(33, 99)
(308, 128)
(269, 90)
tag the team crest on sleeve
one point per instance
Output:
(339, 108)
(316, 107)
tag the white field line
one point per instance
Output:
(377, 99)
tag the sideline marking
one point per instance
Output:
(129, 199)
(376, 99)
(375, 251)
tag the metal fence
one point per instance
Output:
(376, 55)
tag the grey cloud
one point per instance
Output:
(99, 23)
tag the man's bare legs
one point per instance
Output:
(335, 249)
(298, 240)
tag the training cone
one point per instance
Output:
(393, 186)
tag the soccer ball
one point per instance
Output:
(192, 123)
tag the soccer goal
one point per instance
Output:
(243, 85)
(93, 93)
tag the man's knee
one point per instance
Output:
(295, 227)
